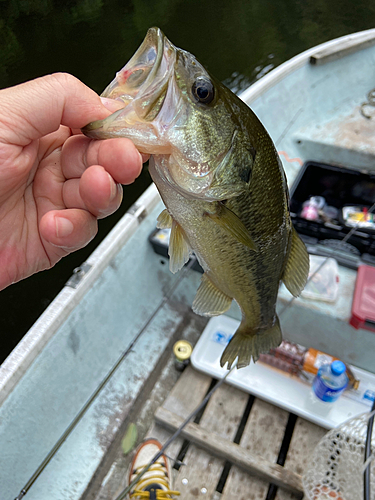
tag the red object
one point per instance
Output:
(363, 307)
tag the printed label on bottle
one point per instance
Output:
(315, 359)
(369, 396)
(325, 393)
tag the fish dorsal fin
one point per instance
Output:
(230, 222)
(209, 300)
(297, 267)
(179, 251)
(164, 220)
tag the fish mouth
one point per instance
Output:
(141, 70)
(141, 85)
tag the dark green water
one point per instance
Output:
(238, 41)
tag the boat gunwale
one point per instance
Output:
(280, 72)
(20, 359)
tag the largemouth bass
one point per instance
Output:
(222, 183)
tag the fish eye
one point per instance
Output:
(203, 90)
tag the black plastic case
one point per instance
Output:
(340, 187)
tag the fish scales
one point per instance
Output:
(222, 183)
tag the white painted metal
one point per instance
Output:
(278, 74)
(16, 364)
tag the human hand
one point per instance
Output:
(54, 182)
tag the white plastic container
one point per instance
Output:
(323, 283)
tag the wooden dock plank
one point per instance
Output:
(262, 436)
(203, 470)
(211, 445)
(161, 434)
(265, 430)
(285, 495)
(186, 395)
(188, 392)
(254, 459)
(306, 436)
(200, 475)
(224, 411)
(232, 452)
(242, 486)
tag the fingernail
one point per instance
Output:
(113, 188)
(111, 104)
(145, 157)
(63, 227)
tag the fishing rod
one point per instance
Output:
(91, 399)
(81, 413)
(122, 495)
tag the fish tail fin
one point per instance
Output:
(248, 343)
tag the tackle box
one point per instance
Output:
(326, 203)
(342, 190)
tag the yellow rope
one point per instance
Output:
(160, 494)
(158, 475)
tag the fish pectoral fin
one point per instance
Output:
(231, 223)
(209, 300)
(179, 250)
(296, 270)
(248, 343)
(164, 220)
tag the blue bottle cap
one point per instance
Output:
(338, 367)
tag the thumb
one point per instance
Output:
(36, 108)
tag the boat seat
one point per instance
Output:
(346, 140)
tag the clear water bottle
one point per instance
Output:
(330, 381)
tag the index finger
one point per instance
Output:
(36, 108)
(119, 157)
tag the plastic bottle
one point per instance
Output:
(295, 359)
(330, 381)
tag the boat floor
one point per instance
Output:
(230, 450)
